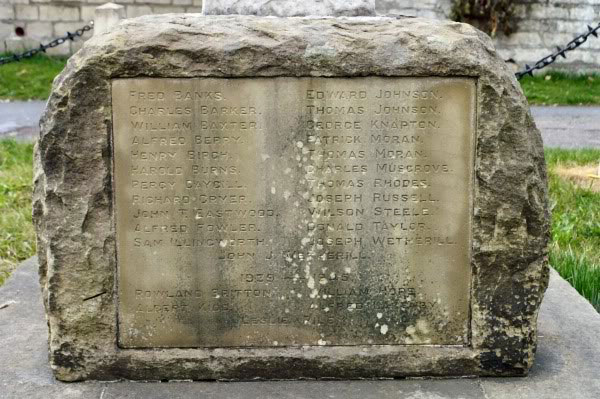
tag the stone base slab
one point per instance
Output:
(565, 366)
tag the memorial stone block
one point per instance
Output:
(235, 197)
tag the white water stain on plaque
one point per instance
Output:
(293, 211)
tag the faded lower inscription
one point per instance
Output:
(293, 211)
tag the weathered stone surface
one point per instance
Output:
(314, 224)
(290, 8)
(74, 210)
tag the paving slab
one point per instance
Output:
(568, 127)
(19, 119)
(567, 364)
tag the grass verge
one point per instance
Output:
(29, 79)
(17, 239)
(575, 247)
(558, 88)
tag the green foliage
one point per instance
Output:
(579, 272)
(17, 239)
(558, 88)
(559, 156)
(29, 79)
(490, 16)
(575, 248)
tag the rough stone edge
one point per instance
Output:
(73, 193)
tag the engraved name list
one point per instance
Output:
(293, 211)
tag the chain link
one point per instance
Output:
(560, 52)
(43, 47)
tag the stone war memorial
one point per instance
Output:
(239, 197)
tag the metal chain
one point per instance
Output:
(43, 47)
(549, 59)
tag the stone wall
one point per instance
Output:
(43, 20)
(543, 24)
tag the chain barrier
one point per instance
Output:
(43, 47)
(560, 52)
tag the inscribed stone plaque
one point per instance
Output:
(293, 211)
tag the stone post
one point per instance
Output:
(107, 16)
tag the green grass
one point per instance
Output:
(585, 156)
(557, 88)
(575, 248)
(29, 79)
(17, 239)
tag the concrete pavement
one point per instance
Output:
(19, 119)
(566, 364)
(564, 127)
(568, 127)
